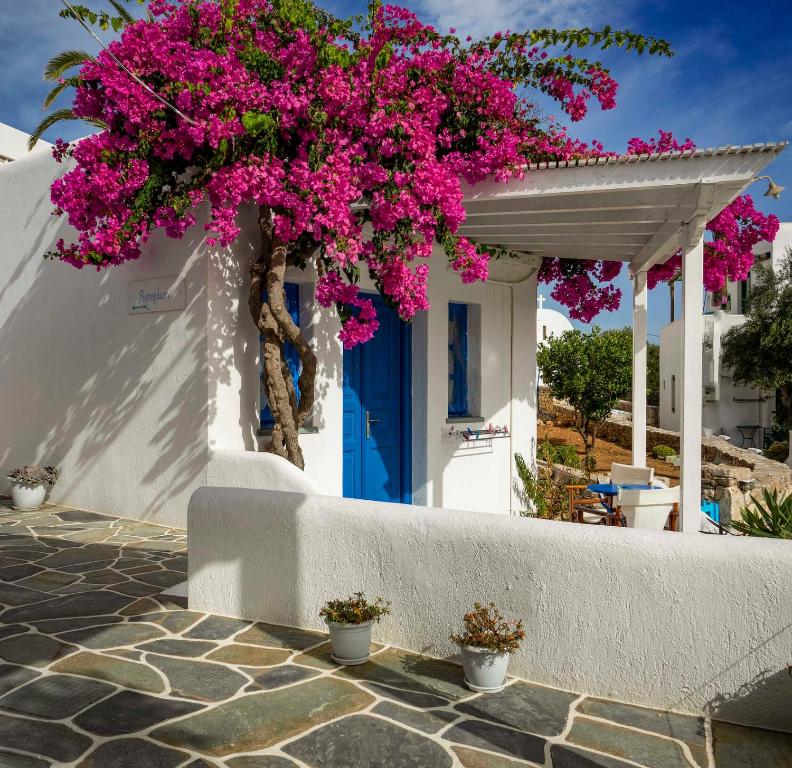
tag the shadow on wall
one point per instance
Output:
(119, 402)
(748, 704)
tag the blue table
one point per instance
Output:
(611, 490)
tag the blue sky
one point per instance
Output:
(730, 81)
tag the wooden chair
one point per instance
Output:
(584, 508)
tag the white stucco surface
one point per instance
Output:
(137, 410)
(13, 144)
(689, 623)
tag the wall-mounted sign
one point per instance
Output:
(161, 294)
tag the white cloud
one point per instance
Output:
(482, 17)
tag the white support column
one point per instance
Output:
(691, 390)
(524, 397)
(640, 301)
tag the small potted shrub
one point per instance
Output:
(350, 622)
(486, 644)
(29, 485)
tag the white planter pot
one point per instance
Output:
(485, 670)
(351, 642)
(27, 497)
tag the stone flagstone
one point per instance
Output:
(260, 761)
(402, 669)
(739, 747)
(13, 760)
(260, 720)
(363, 741)
(276, 636)
(564, 756)
(112, 636)
(201, 680)
(525, 706)
(173, 621)
(473, 758)
(52, 740)
(249, 655)
(683, 727)
(277, 677)
(420, 700)
(651, 751)
(428, 722)
(495, 738)
(189, 648)
(12, 676)
(128, 674)
(71, 605)
(132, 753)
(216, 628)
(129, 711)
(32, 650)
(55, 696)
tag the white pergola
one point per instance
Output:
(638, 209)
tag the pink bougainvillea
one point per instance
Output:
(356, 140)
(358, 144)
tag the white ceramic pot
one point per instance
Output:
(485, 670)
(351, 642)
(26, 496)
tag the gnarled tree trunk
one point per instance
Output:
(272, 318)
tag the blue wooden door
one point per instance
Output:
(377, 413)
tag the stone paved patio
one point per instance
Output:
(100, 669)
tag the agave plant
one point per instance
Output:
(59, 66)
(771, 519)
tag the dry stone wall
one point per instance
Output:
(729, 475)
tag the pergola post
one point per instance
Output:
(691, 394)
(525, 402)
(640, 301)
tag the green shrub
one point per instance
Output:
(485, 627)
(559, 454)
(778, 451)
(539, 492)
(355, 609)
(663, 451)
(772, 520)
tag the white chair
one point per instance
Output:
(626, 474)
(649, 508)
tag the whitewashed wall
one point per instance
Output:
(128, 406)
(688, 623)
(131, 406)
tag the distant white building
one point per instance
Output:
(742, 413)
(13, 144)
(549, 322)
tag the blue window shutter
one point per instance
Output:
(457, 360)
(292, 292)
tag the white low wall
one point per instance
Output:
(691, 623)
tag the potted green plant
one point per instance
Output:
(29, 485)
(486, 644)
(350, 622)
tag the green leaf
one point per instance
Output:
(64, 61)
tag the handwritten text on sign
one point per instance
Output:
(162, 294)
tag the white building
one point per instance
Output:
(13, 144)
(549, 322)
(741, 412)
(140, 402)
